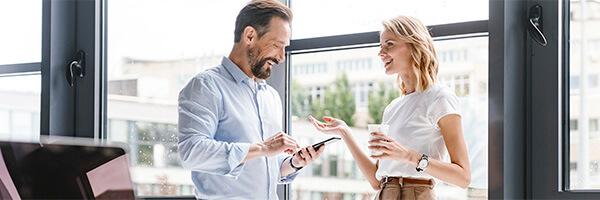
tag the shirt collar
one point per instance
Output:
(237, 74)
(262, 84)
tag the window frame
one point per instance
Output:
(549, 102)
(67, 27)
(440, 32)
(18, 69)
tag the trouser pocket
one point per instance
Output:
(389, 192)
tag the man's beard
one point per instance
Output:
(259, 70)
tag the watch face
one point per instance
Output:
(422, 164)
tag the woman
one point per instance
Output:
(424, 123)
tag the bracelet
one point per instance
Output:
(292, 164)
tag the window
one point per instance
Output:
(153, 49)
(20, 108)
(333, 165)
(584, 63)
(347, 106)
(574, 82)
(317, 167)
(315, 18)
(574, 125)
(20, 79)
(593, 81)
(594, 125)
(21, 23)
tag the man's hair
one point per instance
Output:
(258, 14)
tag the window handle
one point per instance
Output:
(536, 25)
(76, 67)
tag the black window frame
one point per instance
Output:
(548, 108)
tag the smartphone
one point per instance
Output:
(317, 146)
(327, 141)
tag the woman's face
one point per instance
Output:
(394, 54)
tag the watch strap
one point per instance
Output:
(292, 164)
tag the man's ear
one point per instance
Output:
(249, 35)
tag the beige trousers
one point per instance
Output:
(407, 191)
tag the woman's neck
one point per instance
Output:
(409, 81)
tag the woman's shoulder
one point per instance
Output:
(438, 91)
(392, 104)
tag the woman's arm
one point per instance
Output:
(365, 164)
(458, 171)
(338, 127)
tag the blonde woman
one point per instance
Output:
(424, 123)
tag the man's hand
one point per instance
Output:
(280, 142)
(306, 156)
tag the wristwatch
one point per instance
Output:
(292, 164)
(423, 163)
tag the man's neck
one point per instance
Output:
(240, 59)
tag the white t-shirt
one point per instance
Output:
(413, 121)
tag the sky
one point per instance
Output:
(21, 31)
(175, 29)
(179, 29)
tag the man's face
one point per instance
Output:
(269, 49)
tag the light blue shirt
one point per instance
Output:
(222, 112)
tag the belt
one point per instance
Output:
(403, 181)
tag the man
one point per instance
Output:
(230, 119)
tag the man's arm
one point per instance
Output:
(200, 105)
(199, 111)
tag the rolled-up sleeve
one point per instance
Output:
(283, 159)
(199, 108)
(446, 104)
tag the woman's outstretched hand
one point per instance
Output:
(331, 125)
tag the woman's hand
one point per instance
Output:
(331, 126)
(391, 150)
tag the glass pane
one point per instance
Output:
(314, 18)
(21, 35)
(463, 69)
(20, 108)
(154, 48)
(584, 68)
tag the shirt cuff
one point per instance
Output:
(237, 154)
(290, 177)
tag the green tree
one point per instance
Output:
(338, 102)
(299, 105)
(317, 109)
(379, 99)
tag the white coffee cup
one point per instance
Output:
(382, 128)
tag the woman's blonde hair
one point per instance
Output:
(415, 34)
